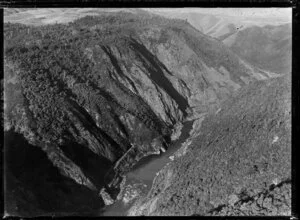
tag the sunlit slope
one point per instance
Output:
(240, 163)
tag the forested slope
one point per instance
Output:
(239, 164)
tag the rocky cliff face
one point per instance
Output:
(248, 171)
(99, 93)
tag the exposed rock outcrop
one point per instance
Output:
(106, 197)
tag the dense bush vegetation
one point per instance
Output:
(238, 164)
(56, 71)
(62, 95)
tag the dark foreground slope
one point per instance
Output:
(240, 163)
(34, 186)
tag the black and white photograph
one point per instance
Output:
(147, 111)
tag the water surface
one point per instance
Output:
(139, 179)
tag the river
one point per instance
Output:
(139, 179)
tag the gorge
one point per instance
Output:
(88, 102)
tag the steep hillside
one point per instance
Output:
(262, 41)
(99, 93)
(237, 164)
(222, 23)
(268, 47)
(219, 27)
(33, 186)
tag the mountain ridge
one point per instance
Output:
(240, 33)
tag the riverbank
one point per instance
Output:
(176, 153)
(139, 180)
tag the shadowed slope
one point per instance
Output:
(158, 76)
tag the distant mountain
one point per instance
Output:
(271, 52)
(237, 163)
(44, 16)
(212, 25)
(268, 47)
(99, 93)
(263, 42)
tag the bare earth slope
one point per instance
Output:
(238, 165)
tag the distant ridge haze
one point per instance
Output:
(258, 16)
(272, 15)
